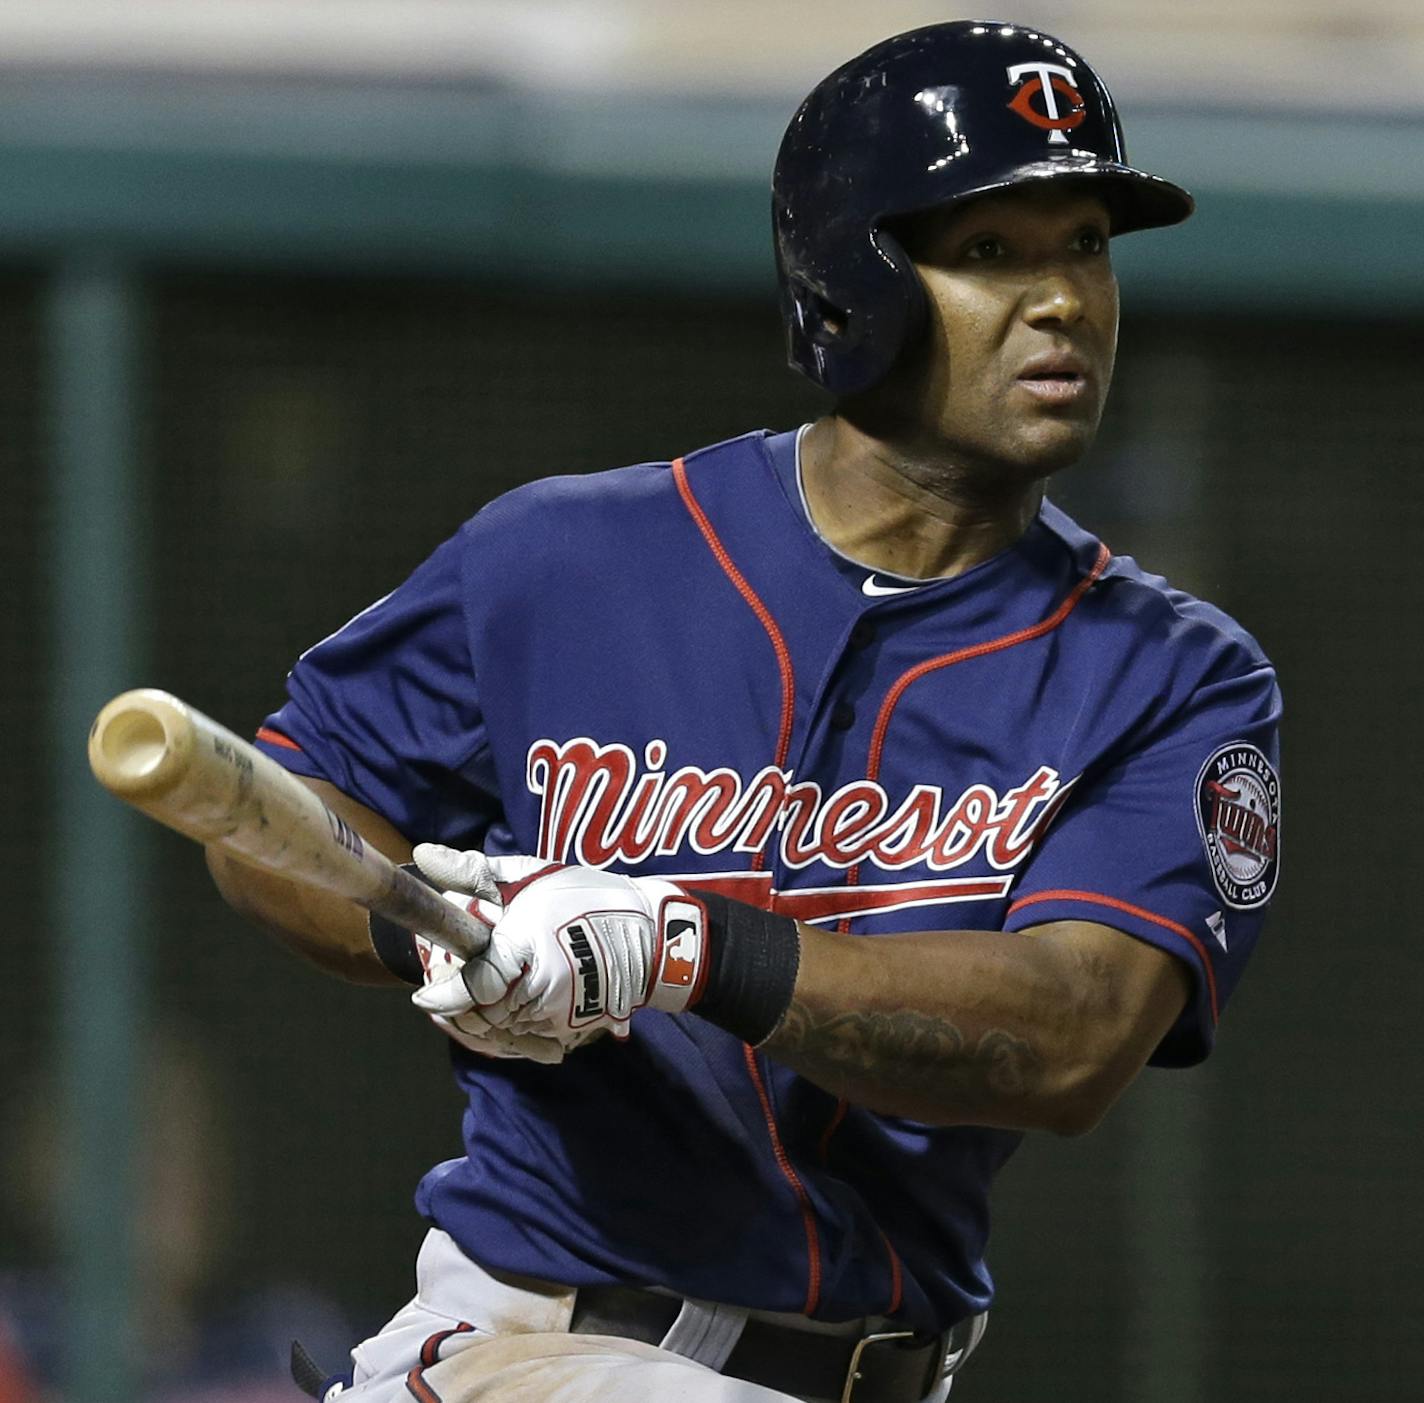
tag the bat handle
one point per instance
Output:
(416, 906)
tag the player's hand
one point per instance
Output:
(573, 950)
(467, 1026)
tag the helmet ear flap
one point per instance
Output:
(915, 303)
(847, 349)
(818, 319)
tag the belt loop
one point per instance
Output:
(853, 1370)
(706, 1333)
(962, 1340)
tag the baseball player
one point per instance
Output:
(839, 809)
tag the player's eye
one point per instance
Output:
(984, 248)
(1091, 239)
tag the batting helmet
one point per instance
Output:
(918, 122)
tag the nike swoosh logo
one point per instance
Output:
(870, 587)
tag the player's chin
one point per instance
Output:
(1047, 443)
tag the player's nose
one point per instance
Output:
(1053, 298)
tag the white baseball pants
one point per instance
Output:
(469, 1337)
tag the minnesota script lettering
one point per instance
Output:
(600, 806)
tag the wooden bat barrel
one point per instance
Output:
(181, 768)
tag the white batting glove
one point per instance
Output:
(468, 1026)
(573, 950)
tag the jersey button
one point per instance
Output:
(863, 634)
(842, 716)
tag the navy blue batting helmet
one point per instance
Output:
(915, 123)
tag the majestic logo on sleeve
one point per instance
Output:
(1239, 816)
(600, 806)
(1047, 98)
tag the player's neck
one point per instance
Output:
(903, 508)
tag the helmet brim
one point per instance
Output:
(1135, 199)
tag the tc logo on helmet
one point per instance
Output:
(1051, 82)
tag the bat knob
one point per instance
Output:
(140, 742)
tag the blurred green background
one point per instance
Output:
(266, 338)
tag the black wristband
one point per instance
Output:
(752, 962)
(395, 945)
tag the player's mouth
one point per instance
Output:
(1056, 377)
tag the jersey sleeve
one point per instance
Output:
(1175, 840)
(386, 709)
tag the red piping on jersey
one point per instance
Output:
(808, 1217)
(430, 1354)
(783, 748)
(837, 1116)
(977, 650)
(897, 1279)
(276, 738)
(1098, 899)
(778, 643)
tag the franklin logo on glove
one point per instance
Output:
(585, 965)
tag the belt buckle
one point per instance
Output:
(853, 1369)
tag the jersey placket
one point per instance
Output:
(760, 1083)
(835, 733)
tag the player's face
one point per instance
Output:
(1018, 354)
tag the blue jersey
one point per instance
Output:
(664, 670)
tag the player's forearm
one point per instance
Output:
(329, 931)
(984, 1028)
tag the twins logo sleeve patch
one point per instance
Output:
(1238, 815)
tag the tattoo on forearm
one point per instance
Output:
(914, 1052)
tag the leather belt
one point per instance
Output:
(896, 1367)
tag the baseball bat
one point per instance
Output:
(180, 767)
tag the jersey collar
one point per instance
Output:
(1050, 534)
